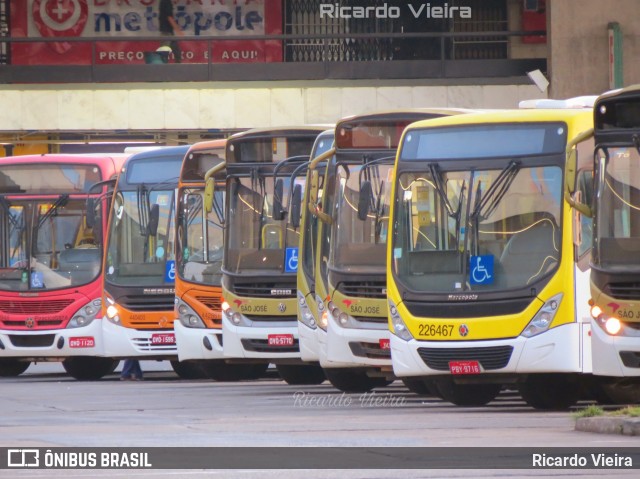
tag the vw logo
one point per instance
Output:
(163, 323)
(463, 330)
(30, 323)
(282, 307)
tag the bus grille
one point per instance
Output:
(369, 350)
(214, 303)
(32, 340)
(360, 289)
(51, 306)
(161, 302)
(630, 291)
(494, 357)
(262, 346)
(271, 319)
(266, 290)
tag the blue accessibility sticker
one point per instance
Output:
(481, 269)
(291, 260)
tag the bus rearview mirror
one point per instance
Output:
(154, 219)
(296, 203)
(364, 200)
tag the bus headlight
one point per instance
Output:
(306, 316)
(187, 316)
(112, 313)
(323, 314)
(399, 328)
(85, 315)
(543, 318)
(615, 327)
(341, 318)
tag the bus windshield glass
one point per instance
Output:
(255, 240)
(200, 257)
(137, 255)
(618, 219)
(360, 245)
(46, 244)
(477, 229)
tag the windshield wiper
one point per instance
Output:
(442, 193)
(144, 209)
(6, 207)
(61, 202)
(485, 205)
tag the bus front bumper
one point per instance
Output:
(309, 345)
(353, 347)
(617, 356)
(559, 350)
(198, 343)
(260, 341)
(53, 343)
(121, 342)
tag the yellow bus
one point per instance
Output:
(353, 337)
(615, 267)
(487, 275)
(260, 259)
(308, 312)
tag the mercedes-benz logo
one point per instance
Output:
(30, 323)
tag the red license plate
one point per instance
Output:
(464, 367)
(82, 342)
(385, 344)
(280, 340)
(168, 338)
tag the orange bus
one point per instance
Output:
(52, 225)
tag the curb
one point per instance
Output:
(609, 425)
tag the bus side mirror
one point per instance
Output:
(570, 173)
(90, 218)
(154, 219)
(296, 206)
(279, 212)
(209, 190)
(364, 200)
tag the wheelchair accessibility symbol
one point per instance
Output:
(481, 269)
(170, 272)
(291, 260)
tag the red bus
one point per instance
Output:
(53, 217)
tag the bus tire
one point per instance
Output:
(467, 395)
(550, 391)
(188, 369)
(622, 390)
(354, 380)
(219, 370)
(418, 386)
(12, 367)
(88, 368)
(299, 374)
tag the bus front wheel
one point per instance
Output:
(297, 374)
(468, 395)
(188, 370)
(88, 368)
(550, 391)
(219, 370)
(12, 367)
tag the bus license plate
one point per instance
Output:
(464, 367)
(167, 338)
(385, 344)
(82, 342)
(280, 340)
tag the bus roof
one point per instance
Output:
(278, 131)
(616, 115)
(419, 112)
(197, 162)
(577, 120)
(65, 158)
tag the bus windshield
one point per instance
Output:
(359, 245)
(255, 240)
(46, 244)
(618, 219)
(137, 256)
(202, 235)
(475, 229)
